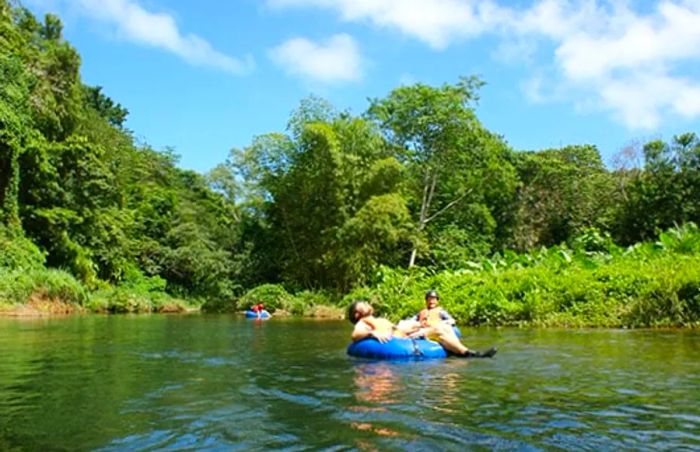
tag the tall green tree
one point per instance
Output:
(665, 192)
(15, 130)
(15, 114)
(74, 182)
(314, 188)
(563, 192)
(450, 158)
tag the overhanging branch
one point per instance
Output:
(448, 206)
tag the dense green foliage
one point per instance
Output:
(21, 286)
(18, 252)
(414, 193)
(592, 283)
(78, 194)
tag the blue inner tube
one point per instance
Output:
(254, 315)
(396, 348)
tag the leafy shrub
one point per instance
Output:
(683, 239)
(669, 297)
(274, 296)
(136, 293)
(119, 300)
(219, 304)
(303, 303)
(18, 252)
(294, 306)
(18, 286)
(591, 240)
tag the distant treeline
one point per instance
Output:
(327, 205)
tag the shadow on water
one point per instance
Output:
(220, 382)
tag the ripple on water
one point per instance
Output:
(215, 383)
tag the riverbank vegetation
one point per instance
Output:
(593, 282)
(414, 193)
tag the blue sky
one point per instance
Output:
(205, 77)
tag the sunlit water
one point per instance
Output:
(224, 383)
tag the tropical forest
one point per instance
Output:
(411, 194)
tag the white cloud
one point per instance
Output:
(534, 88)
(159, 30)
(436, 22)
(516, 51)
(630, 63)
(605, 53)
(640, 100)
(336, 60)
(632, 41)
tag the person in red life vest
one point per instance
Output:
(258, 309)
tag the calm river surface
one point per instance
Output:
(203, 382)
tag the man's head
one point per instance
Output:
(358, 310)
(432, 299)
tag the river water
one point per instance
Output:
(199, 382)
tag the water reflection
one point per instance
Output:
(446, 391)
(375, 384)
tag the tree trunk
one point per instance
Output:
(429, 182)
(428, 194)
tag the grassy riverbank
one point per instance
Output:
(626, 292)
(591, 282)
(42, 291)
